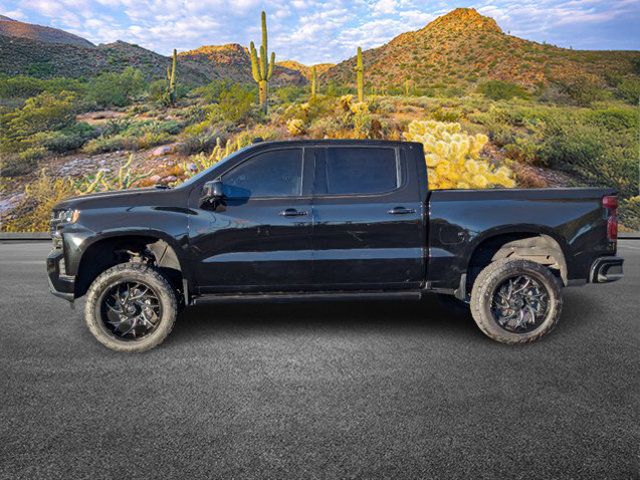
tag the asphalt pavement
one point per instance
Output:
(342, 390)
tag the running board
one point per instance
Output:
(307, 297)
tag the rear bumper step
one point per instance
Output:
(606, 269)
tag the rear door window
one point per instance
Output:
(356, 171)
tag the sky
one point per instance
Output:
(313, 31)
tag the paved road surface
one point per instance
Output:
(377, 390)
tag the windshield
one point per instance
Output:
(190, 181)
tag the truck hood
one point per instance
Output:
(108, 198)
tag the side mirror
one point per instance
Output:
(212, 192)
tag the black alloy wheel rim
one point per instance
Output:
(520, 304)
(130, 310)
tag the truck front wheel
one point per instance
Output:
(516, 301)
(130, 307)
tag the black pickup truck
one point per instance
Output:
(327, 220)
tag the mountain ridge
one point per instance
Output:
(455, 51)
(14, 28)
(463, 47)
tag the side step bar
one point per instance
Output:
(307, 297)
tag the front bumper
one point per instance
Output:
(606, 269)
(60, 285)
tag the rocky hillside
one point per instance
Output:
(48, 52)
(13, 28)
(464, 47)
(304, 69)
(30, 57)
(232, 62)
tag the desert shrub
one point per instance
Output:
(296, 127)
(128, 135)
(523, 149)
(235, 103)
(22, 86)
(11, 165)
(43, 112)
(446, 114)
(453, 157)
(499, 90)
(69, 138)
(106, 179)
(23, 132)
(629, 90)
(583, 90)
(156, 91)
(597, 155)
(630, 212)
(210, 92)
(362, 120)
(115, 89)
(39, 199)
(613, 118)
(329, 127)
(291, 93)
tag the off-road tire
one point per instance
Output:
(490, 279)
(133, 272)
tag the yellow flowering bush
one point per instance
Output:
(453, 157)
(295, 126)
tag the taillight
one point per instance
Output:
(610, 202)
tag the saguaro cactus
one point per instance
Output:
(261, 67)
(360, 75)
(314, 81)
(171, 79)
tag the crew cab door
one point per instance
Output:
(368, 228)
(259, 237)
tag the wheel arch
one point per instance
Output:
(536, 243)
(104, 251)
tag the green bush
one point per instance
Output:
(499, 90)
(234, 105)
(291, 93)
(22, 130)
(22, 86)
(115, 89)
(629, 90)
(596, 154)
(70, 138)
(12, 165)
(583, 90)
(128, 135)
(210, 93)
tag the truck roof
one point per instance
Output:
(331, 141)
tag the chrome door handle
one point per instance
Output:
(401, 211)
(292, 212)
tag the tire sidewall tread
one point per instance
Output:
(134, 271)
(491, 277)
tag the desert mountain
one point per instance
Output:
(232, 62)
(464, 47)
(30, 57)
(13, 28)
(305, 70)
(48, 52)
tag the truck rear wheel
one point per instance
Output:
(516, 301)
(130, 307)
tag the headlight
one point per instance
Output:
(65, 216)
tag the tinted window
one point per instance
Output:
(276, 173)
(353, 171)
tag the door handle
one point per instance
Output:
(292, 212)
(401, 211)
